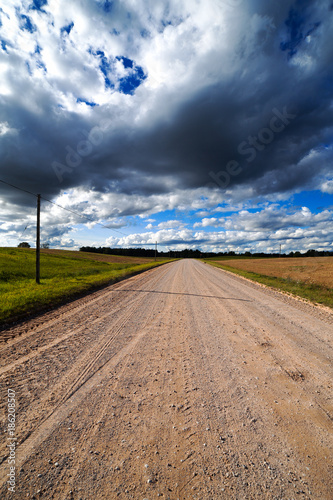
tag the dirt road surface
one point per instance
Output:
(185, 382)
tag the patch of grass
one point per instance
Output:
(62, 278)
(313, 292)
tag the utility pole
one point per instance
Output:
(155, 250)
(38, 242)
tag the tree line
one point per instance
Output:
(197, 254)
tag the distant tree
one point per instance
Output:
(46, 245)
(23, 244)
(311, 253)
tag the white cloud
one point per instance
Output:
(327, 186)
(255, 232)
(171, 224)
(5, 129)
(209, 222)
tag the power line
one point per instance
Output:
(73, 212)
(26, 227)
(64, 208)
(83, 216)
(20, 189)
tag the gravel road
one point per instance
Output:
(184, 382)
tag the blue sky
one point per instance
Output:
(201, 124)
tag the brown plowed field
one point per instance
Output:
(310, 270)
(184, 382)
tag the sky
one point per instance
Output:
(195, 123)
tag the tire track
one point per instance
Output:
(75, 331)
(18, 334)
(86, 376)
(88, 370)
(26, 448)
(143, 328)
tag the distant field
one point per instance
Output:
(308, 277)
(64, 274)
(310, 270)
(115, 259)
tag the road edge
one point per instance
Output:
(68, 299)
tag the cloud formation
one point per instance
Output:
(259, 231)
(152, 104)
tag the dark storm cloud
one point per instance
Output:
(270, 114)
(270, 117)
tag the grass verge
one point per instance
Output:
(63, 278)
(312, 292)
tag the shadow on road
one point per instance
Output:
(181, 293)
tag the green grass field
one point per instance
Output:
(277, 273)
(64, 275)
